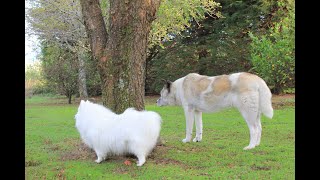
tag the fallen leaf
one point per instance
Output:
(127, 162)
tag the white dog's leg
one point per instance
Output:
(198, 119)
(189, 113)
(100, 156)
(139, 150)
(141, 160)
(99, 160)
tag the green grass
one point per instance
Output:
(54, 149)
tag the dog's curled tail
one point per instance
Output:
(265, 99)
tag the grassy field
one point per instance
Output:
(53, 149)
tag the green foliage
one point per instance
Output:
(222, 46)
(53, 147)
(92, 77)
(33, 72)
(35, 83)
(273, 55)
(60, 68)
(175, 16)
(289, 90)
(216, 46)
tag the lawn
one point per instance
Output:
(53, 149)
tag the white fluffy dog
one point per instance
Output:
(132, 132)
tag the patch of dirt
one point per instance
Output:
(280, 101)
(83, 152)
(54, 148)
(60, 173)
(80, 152)
(205, 174)
(260, 153)
(291, 136)
(121, 170)
(259, 168)
(31, 163)
(156, 156)
(51, 146)
(159, 149)
(47, 141)
(165, 161)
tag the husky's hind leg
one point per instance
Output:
(249, 108)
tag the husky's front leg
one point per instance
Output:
(189, 114)
(198, 119)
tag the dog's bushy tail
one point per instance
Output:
(265, 99)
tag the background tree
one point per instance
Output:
(212, 46)
(60, 68)
(216, 46)
(120, 54)
(60, 22)
(34, 80)
(121, 51)
(56, 21)
(273, 54)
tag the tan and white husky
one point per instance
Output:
(198, 93)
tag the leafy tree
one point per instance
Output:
(173, 17)
(216, 46)
(120, 48)
(273, 54)
(34, 81)
(213, 46)
(60, 68)
(60, 22)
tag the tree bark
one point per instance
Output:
(121, 55)
(82, 75)
(69, 99)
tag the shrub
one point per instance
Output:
(273, 55)
(34, 80)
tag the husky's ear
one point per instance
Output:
(168, 85)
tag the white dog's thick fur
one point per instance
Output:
(132, 132)
(197, 93)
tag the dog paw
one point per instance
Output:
(98, 161)
(197, 139)
(248, 147)
(185, 140)
(140, 163)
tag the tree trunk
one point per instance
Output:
(122, 55)
(82, 75)
(69, 98)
